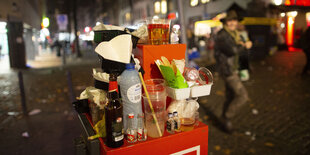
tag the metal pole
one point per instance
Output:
(77, 46)
(183, 26)
(64, 53)
(70, 86)
(22, 93)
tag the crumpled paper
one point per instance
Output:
(100, 76)
(118, 49)
(97, 95)
(102, 27)
(141, 33)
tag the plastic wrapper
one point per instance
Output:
(141, 33)
(190, 109)
(185, 109)
(178, 106)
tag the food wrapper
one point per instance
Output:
(118, 49)
(102, 27)
(174, 80)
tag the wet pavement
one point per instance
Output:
(275, 121)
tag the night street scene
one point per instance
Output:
(155, 77)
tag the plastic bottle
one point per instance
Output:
(130, 86)
(177, 122)
(131, 130)
(170, 123)
(141, 130)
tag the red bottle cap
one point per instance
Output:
(131, 115)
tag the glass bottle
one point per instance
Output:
(177, 122)
(142, 131)
(131, 130)
(170, 124)
(114, 116)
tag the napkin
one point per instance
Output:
(174, 80)
(118, 49)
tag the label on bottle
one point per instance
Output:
(117, 129)
(176, 125)
(169, 126)
(134, 93)
(119, 138)
(140, 133)
(131, 136)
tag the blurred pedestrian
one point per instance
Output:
(228, 46)
(58, 46)
(305, 45)
(244, 64)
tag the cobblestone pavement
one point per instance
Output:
(275, 120)
(280, 101)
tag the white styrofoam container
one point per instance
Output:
(178, 94)
(198, 91)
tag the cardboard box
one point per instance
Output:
(148, 53)
(194, 142)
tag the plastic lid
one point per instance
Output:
(131, 115)
(170, 115)
(130, 66)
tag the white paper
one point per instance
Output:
(118, 49)
(101, 27)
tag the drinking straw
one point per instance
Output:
(150, 104)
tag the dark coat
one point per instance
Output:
(226, 53)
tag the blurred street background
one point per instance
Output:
(47, 39)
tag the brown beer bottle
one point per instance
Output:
(114, 116)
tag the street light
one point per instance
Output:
(157, 7)
(163, 6)
(205, 1)
(277, 2)
(45, 22)
(194, 2)
(292, 13)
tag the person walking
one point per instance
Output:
(228, 46)
(305, 40)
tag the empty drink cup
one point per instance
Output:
(158, 31)
(157, 94)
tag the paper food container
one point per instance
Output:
(178, 94)
(198, 91)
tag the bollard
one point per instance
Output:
(22, 92)
(70, 86)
